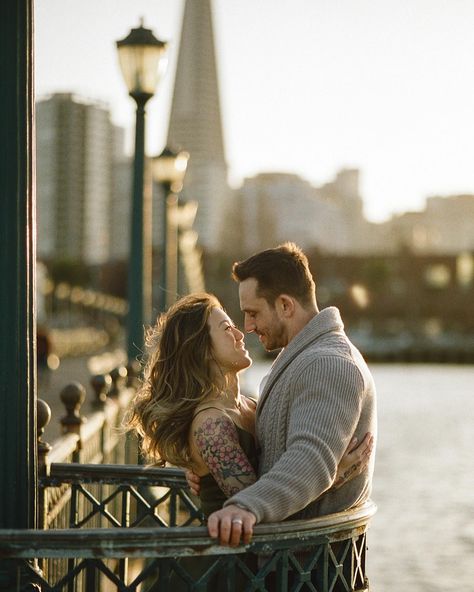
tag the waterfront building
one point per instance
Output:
(276, 207)
(445, 226)
(77, 145)
(350, 232)
(196, 126)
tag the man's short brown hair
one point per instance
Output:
(282, 270)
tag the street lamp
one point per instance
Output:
(168, 169)
(143, 62)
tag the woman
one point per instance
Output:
(189, 409)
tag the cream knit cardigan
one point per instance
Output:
(318, 394)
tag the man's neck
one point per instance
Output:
(300, 320)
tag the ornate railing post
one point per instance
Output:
(119, 377)
(43, 418)
(133, 372)
(73, 396)
(134, 369)
(101, 384)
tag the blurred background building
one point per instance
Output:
(77, 150)
(373, 271)
(84, 181)
(196, 125)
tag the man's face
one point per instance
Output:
(260, 317)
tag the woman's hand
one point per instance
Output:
(193, 482)
(354, 461)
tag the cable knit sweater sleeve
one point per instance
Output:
(322, 407)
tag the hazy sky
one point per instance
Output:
(307, 86)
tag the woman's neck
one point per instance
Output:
(230, 389)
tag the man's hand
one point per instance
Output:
(355, 460)
(194, 482)
(231, 524)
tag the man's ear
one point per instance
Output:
(286, 305)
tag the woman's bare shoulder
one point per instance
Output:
(208, 410)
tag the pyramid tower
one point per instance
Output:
(195, 124)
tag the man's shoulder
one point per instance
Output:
(331, 346)
(333, 356)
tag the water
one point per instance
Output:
(422, 537)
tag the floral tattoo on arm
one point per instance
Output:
(218, 443)
(347, 475)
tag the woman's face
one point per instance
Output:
(227, 342)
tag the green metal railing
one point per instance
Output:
(124, 496)
(142, 548)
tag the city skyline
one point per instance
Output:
(389, 91)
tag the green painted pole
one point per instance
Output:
(17, 269)
(166, 187)
(136, 279)
(18, 460)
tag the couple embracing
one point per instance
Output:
(304, 448)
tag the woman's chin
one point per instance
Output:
(245, 363)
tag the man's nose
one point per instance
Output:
(249, 324)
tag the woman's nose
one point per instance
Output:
(238, 334)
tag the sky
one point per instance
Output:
(307, 86)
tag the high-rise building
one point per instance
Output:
(196, 126)
(77, 145)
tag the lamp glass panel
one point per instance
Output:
(142, 67)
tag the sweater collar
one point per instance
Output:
(327, 320)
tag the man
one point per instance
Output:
(318, 394)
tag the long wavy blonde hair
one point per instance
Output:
(177, 378)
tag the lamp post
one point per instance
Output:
(169, 169)
(142, 61)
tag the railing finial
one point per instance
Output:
(73, 396)
(43, 416)
(101, 383)
(119, 376)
